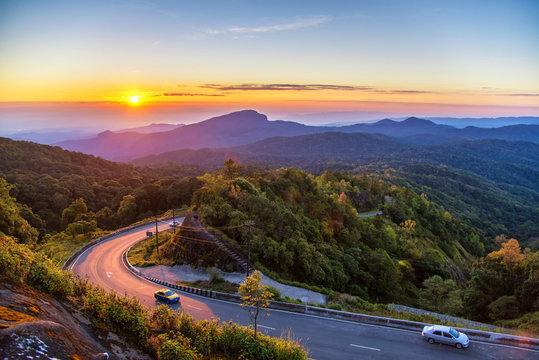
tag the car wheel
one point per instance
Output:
(458, 345)
(431, 341)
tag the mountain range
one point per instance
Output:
(248, 126)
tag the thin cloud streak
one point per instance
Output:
(281, 87)
(188, 94)
(298, 24)
(307, 87)
(518, 94)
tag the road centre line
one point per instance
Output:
(266, 327)
(364, 347)
(353, 322)
(194, 307)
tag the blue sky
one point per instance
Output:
(468, 53)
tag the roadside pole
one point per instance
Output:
(157, 237)
(250, 225)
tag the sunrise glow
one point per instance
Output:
(391, 59)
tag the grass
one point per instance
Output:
(145, 253)
(61, 246)
(527, 323)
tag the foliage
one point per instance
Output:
(308, 231)
(11, 221)
(144, 253)
(506, 282)
(184, 338)
(442, 296)
(255, 297)
(58, 186)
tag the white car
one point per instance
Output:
(445, 335)
(174, 224)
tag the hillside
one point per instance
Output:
(46, 180)
(308, 231)
(465, 177)
(24, 311)
(228, 130)
(73, 313)
(244, 127)
(285, 151)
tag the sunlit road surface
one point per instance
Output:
(323, 337)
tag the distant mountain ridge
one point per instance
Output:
(152, 128)
(248, 126)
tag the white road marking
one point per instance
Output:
(109, 274)
(266, 327)
(364, 347)
(350, 322)
(506, 346)
(194, 307)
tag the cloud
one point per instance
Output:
(298, 24)
(519, 94)
(280, 87)
(307, 87)
(405, 91)
(187, 94)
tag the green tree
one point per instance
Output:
(128, 210)
(11, 222)
(74, 212)
(441, 295)
(231, 170)
(504, 307)
(255, 297)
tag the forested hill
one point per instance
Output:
(415, 253)
(308, 231)
(492, 184)
(47, 180)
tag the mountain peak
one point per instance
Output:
(238, 118)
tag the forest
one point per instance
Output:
(307, 231)
(416, 253)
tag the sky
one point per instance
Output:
(119, 63)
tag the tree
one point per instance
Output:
(231, 170)
(128, 210)
(441, 296)
(255, 296)
(505, 307)
(74, 212)
(510, 253)
(11, 222)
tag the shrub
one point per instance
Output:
(174, 346)
(276, 293)
(184, 338)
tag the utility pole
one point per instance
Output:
(250, 225)
(157, 237)
(173, 223)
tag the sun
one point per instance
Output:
(134, 99)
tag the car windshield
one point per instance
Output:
(169, 293)
(454, 332)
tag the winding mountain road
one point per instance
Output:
(325, 338)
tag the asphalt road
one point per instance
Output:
(324, 338)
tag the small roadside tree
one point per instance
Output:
(255, 296)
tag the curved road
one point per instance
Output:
(324, 338)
